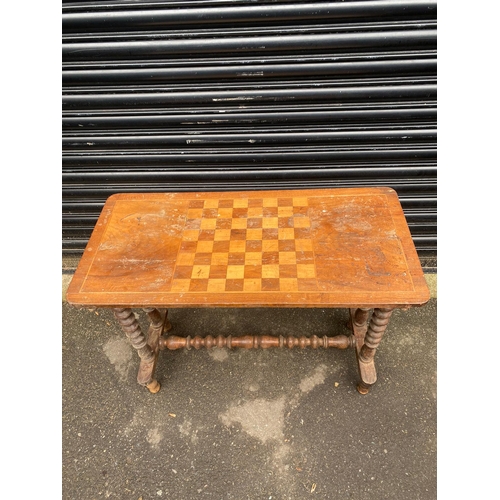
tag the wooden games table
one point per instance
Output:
(322, 248)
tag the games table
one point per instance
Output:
(318, 248)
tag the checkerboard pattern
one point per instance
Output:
(246, 244)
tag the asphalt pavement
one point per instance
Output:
(249, 424)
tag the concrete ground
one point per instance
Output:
(249, 424)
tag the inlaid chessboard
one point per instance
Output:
(301, 248)
(257, 244)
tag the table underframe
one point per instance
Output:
(367, 327)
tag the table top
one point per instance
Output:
(348, 247)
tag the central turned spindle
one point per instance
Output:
(174, 342)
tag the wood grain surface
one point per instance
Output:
(297, 248)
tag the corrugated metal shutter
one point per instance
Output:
(224, 95)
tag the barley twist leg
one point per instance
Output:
(376, 329)
(132, 329)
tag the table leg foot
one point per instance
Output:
(363, 388)
(154, 386)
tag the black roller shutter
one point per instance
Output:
(228, 95)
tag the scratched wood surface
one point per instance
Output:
(297, 248)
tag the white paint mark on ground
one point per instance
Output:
(154, 436)
(218, 354)
(119, 353)
(316, 378)
(186, 430)
(265, 420)
(260, 418)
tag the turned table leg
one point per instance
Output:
(366, 348)
(146, 347)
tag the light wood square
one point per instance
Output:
(270, 202)
(200, 272)
(253, 258)
(237, 245)
(252, 284)
(306, 271)
(222, 234)
(216, 285)
(303, 246)
(208, 223)
(254, 234)
(285, 211)
(240, 203)
(301, 222)
(270, 271)
(300, 202)
(239, 224)
(211, 203)
(225, 213)
(270, 222)
(204, 246)
(255, 212)
(288, 284)
(286, 233)
(287, 258)
(235, 272)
